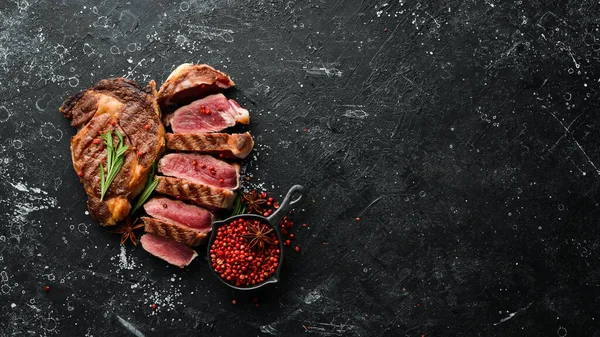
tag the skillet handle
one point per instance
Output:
(293, 197)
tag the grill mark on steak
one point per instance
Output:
(114, 104)
(237, 145)
(175, 231)
(203, 195)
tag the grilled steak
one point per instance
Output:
(203, 195)
(175, 211)
(201, 168)
(175, 231)
(209, 114)
(189, 82)
(114, 104)
(169, 250)
(237, 145)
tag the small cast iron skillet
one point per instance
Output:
(273, 221)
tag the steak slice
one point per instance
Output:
(201, 168)
(210, 114)
(237, 145)
(176, 211)
(203, 195)
(114, 104)
(173, 252)
(189, 81)
(175, 231)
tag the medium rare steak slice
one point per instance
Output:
(176, 211)
(210, 114)
(114, 104)
(201, 168)
(169, 250)
(203, 195)
(175, 231)
(189, 82)
(237, 145)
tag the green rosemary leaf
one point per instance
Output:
(109, 149)
(238, 207)
(114, 161)
(148, 189)
(101, 180)
(122, 150)
(120, 135)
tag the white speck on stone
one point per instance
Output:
(125, 263)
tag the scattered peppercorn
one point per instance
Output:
(154, 306)
(147, 126)
(47, 288)
(96, 141)
(234, 301)
(297, 249)
(357, 219)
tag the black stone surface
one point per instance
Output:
(463, 134)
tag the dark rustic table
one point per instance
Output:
(463, 134)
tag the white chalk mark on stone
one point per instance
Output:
(511, 315)
(130, 327)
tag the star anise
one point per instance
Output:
(127, 229)
(253, 202)
(258, 235)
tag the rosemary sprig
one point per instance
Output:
(238, 206)
(114, 160)
(148, 189)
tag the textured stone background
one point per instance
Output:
(462, 133)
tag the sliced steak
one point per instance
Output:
(114, 104)
(237, 145)
(201, 168)
(173, 252)
(173, 230)
(210, 114)
(203, 195)
(189, 82)
(176, 211)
